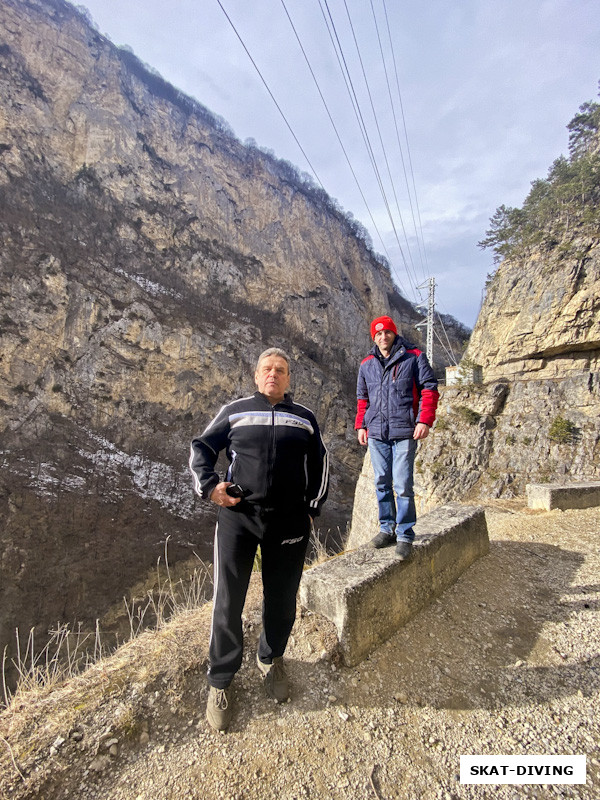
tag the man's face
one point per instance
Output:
(272, 377)
(384, 340)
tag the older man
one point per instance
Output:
(275, 485)
(397, 398)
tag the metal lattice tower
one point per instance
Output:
(429, 284)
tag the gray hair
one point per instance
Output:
(274, 351)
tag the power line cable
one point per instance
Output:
(383, 147)
(342, 63)
(422, 238)
(375, 119)
(356, 105)
(400, 148)
(332, 121)
(339, 50)
(451, 353)
(254, 64)
(339, 53)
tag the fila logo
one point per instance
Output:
(293, 541)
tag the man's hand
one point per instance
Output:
(421, 431)
(220, 496)
(363, 437)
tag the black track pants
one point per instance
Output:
(283, 540)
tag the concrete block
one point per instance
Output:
(368, 594)
(563, 495)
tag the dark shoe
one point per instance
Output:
(276, 681)
(219, 709)
(403, 550)
(383, 539)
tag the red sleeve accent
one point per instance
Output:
(425, 404)
(429, 401)
(361, 408)
(362, 403)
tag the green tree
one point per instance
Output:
(583, 130)
(504, 231)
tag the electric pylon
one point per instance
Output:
(429, 284)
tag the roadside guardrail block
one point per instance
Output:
(563, 495)
(369, 594)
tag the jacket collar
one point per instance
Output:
(287, 400)
(398, 350)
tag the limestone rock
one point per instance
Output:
(541, 316)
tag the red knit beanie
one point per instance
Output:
(382, 324)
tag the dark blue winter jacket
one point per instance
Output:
(392, 399)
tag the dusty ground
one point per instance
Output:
(505, 662)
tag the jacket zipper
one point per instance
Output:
(382, 394)
(271, 453)
(394, 374)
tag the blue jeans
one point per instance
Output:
(393, 463)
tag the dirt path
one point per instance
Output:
(505, 662)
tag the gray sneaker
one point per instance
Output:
(403, 551)
(219, 708)
(276, 681)
(383, 539)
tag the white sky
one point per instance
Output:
(487, 87)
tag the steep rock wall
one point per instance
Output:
(148, 257)
(541, 315)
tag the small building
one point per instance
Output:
(464, 373)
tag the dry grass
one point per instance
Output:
(107, 696)
(75, 684)
(68, 652)
(317, 549)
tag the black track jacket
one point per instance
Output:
(275, 453)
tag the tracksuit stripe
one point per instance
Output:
(216, 583)
(197, 486)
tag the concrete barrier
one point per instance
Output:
(365, 511)
(369, 594)
(563, 495)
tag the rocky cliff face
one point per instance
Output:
(541, 316)
(147, 259)
(536, 418)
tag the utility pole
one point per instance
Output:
(429, 284)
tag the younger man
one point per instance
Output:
(397, 397)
